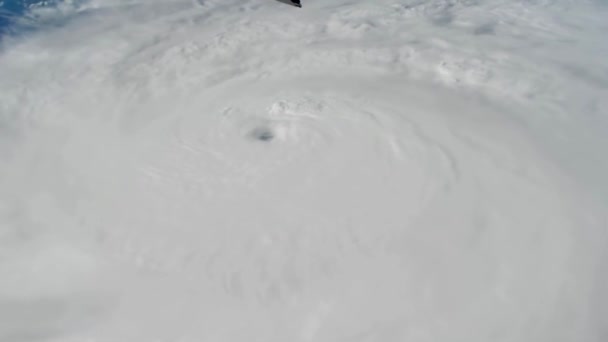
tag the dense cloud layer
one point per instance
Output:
(353, 170)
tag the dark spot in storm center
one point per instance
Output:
(264, 134)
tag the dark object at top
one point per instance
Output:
(295, 3)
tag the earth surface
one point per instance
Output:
(354, 171)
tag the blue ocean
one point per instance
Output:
(13, 10)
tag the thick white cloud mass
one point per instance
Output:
(357, 171)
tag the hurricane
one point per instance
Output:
(354, 171)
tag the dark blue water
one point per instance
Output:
(12, 10)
